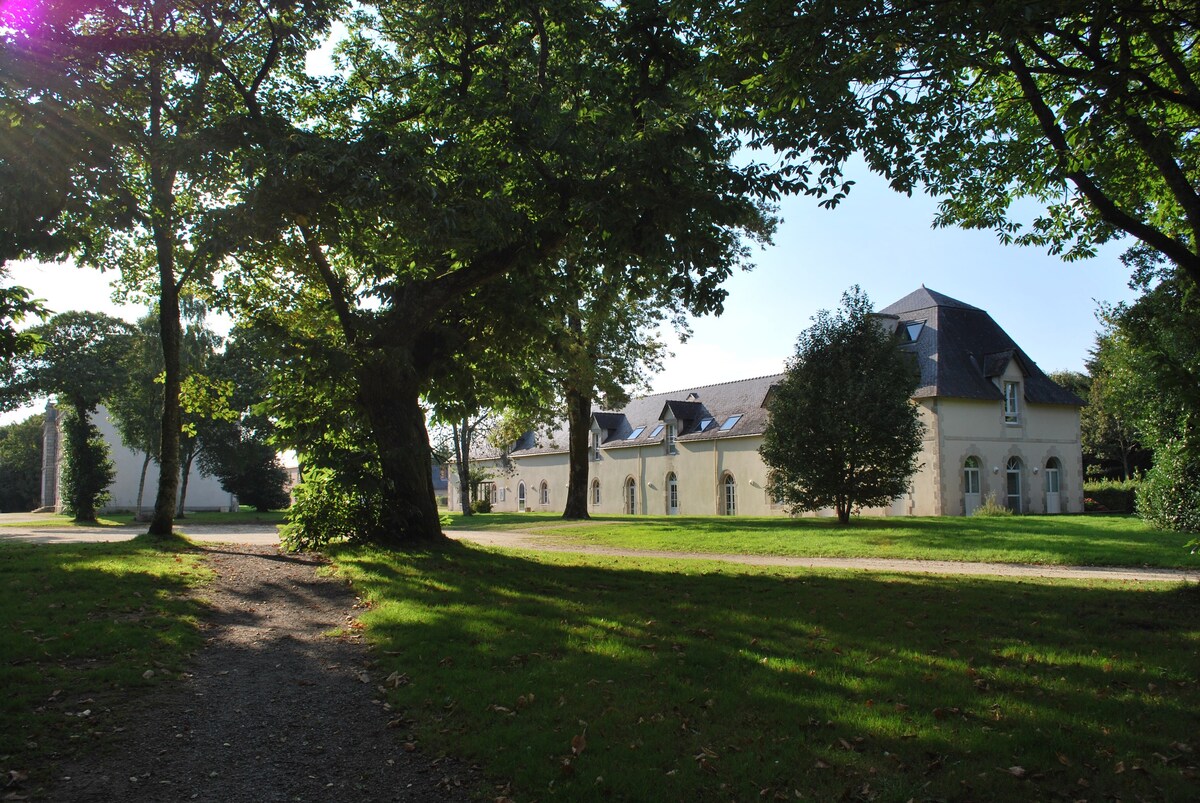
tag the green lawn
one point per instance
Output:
(81, 626)
(1060, 540)
(689, 680)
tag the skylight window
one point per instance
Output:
(704, 422)
(729, 422)
(657, 431)
(914, 329)
(637, 433)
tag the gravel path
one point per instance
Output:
(273, 709)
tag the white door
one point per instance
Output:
(971, 485)
(1053, 496)
(672, 496)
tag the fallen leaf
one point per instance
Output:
(579, 743)
(1016, 772)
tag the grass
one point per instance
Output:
(577, 677)
(81, 626)
(247, 515)
(1055, 540)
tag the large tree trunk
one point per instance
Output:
(389, 394)
(162, 219)
(579, 416)
(462, 454)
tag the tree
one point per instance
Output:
(21, 465)
(844, 432)
(77, 364)
(137, 408)
(162, 87)
(473, 145)
(1086, 108)
(1108, 424)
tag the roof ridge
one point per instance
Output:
(711, 385)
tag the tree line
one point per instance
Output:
(483, 203)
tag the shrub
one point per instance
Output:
(991, 507)
(483, 505)
(1169, 497)
(1114, 496)
(88, 471)
(328, 508)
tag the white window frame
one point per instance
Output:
(672, 492)
(595, 492)
(1012, 408)
(521, 496)
(544, 493)
(669, 439)
(729, 494)
(971, 471)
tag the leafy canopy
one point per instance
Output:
(843, 432)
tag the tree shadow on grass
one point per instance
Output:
(705, 682)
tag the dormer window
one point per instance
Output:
(730, 422)
(1012, 412)
(914, 329)
(669, 441)
(595, 445)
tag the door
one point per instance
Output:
(971, 485)
(672, 495)
(1053, 490)
(1014, 485)
(521, 497)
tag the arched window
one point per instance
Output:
(630, 496)
(521, 497)
(595, 492)
(545, 493)
(730, 496)
(672, 494)
(970, 485)
(1053, 486)
(1014, 484)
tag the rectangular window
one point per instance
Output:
(704, 422)
(636, 433)
(729, 422)
(670, 439)
(656, 431)
(1011, 410)
(595, 445)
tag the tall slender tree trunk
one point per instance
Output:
(462, 455)
(579, 416)
(137, 512)
(184, 471)
(162, 217)
(390, 396)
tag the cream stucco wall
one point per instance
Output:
(955, 429)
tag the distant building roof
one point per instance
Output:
(960, 348)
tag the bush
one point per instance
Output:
(1169, 497)
(1111, 496)
(483, 505)
(991, 507)
(88, 471)
(328, 508)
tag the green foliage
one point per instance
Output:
(1082, 111)
(1169, 495)
(88, 471)
(991, 508)
(482, 505)
(326, 509)
(1114, 496)
(844, 432)
(21, 465)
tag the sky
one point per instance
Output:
(876, 238)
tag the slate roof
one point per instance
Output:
(961, 348)
(743, 397)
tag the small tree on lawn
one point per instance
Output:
(843, 432)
